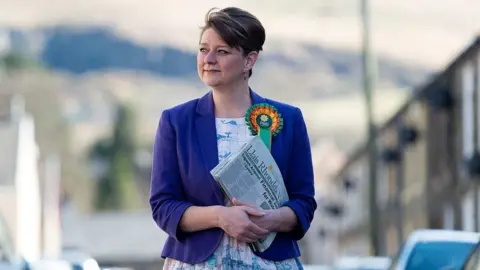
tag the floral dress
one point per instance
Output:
(232, 133)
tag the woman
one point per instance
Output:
(192, 138)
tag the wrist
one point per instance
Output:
(217, 212)
(286, 219)
(276, 218)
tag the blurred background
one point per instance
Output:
(390, 91)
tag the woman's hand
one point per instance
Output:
(268, 221)
(235, 222)
(282, 219)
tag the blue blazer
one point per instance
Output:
(185, 151)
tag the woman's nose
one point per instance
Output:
(211, 57)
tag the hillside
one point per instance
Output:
(313, 69)
(428, 32)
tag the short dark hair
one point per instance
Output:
(239, 28)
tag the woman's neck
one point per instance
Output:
(232, 102)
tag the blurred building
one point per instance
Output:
(428, 163)
(20, 198)
(50, 183)
(115, 239)
(331, 139)
(29, 185)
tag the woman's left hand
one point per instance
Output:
(267, 221)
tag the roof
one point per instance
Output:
(316, 267)
(444, 235)
(8, 144)
(115, 235)
(367, 262)
(418, 94)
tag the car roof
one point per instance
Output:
(432, 235)
(356, 261)
(316, 267)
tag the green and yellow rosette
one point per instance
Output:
(265, 121)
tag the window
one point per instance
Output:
(478, 99)
(383, 188)
(468, 110)
(448, 217)
(467, 212)
(439, 255)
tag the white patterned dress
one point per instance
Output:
(230, 254)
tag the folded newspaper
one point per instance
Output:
(252, 176)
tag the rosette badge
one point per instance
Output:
(265, 121)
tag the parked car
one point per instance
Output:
(15, 263)
(78, 259)
(435, 249)
(473, 260)
(7, 266)
(362, 263)
(46, 264)
(316, 267)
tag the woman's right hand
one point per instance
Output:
(235, 222)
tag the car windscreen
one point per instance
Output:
(438, 255)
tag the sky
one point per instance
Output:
(428, 33)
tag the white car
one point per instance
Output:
(46, 264)
(316, 267)
(79, 260)
(362, 263)
(435, 249)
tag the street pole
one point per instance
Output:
(368, 81)
(400, 177)
(476, 141)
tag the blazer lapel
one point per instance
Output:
(256, 98)
(207, 138)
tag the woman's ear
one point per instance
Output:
(250, 60)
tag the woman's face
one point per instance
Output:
(220, 65)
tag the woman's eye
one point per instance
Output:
(222, 52)
(202, 50)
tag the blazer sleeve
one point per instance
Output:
(167, 198)
(299, 184)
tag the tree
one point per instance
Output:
(116, 188)
(16, 61)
